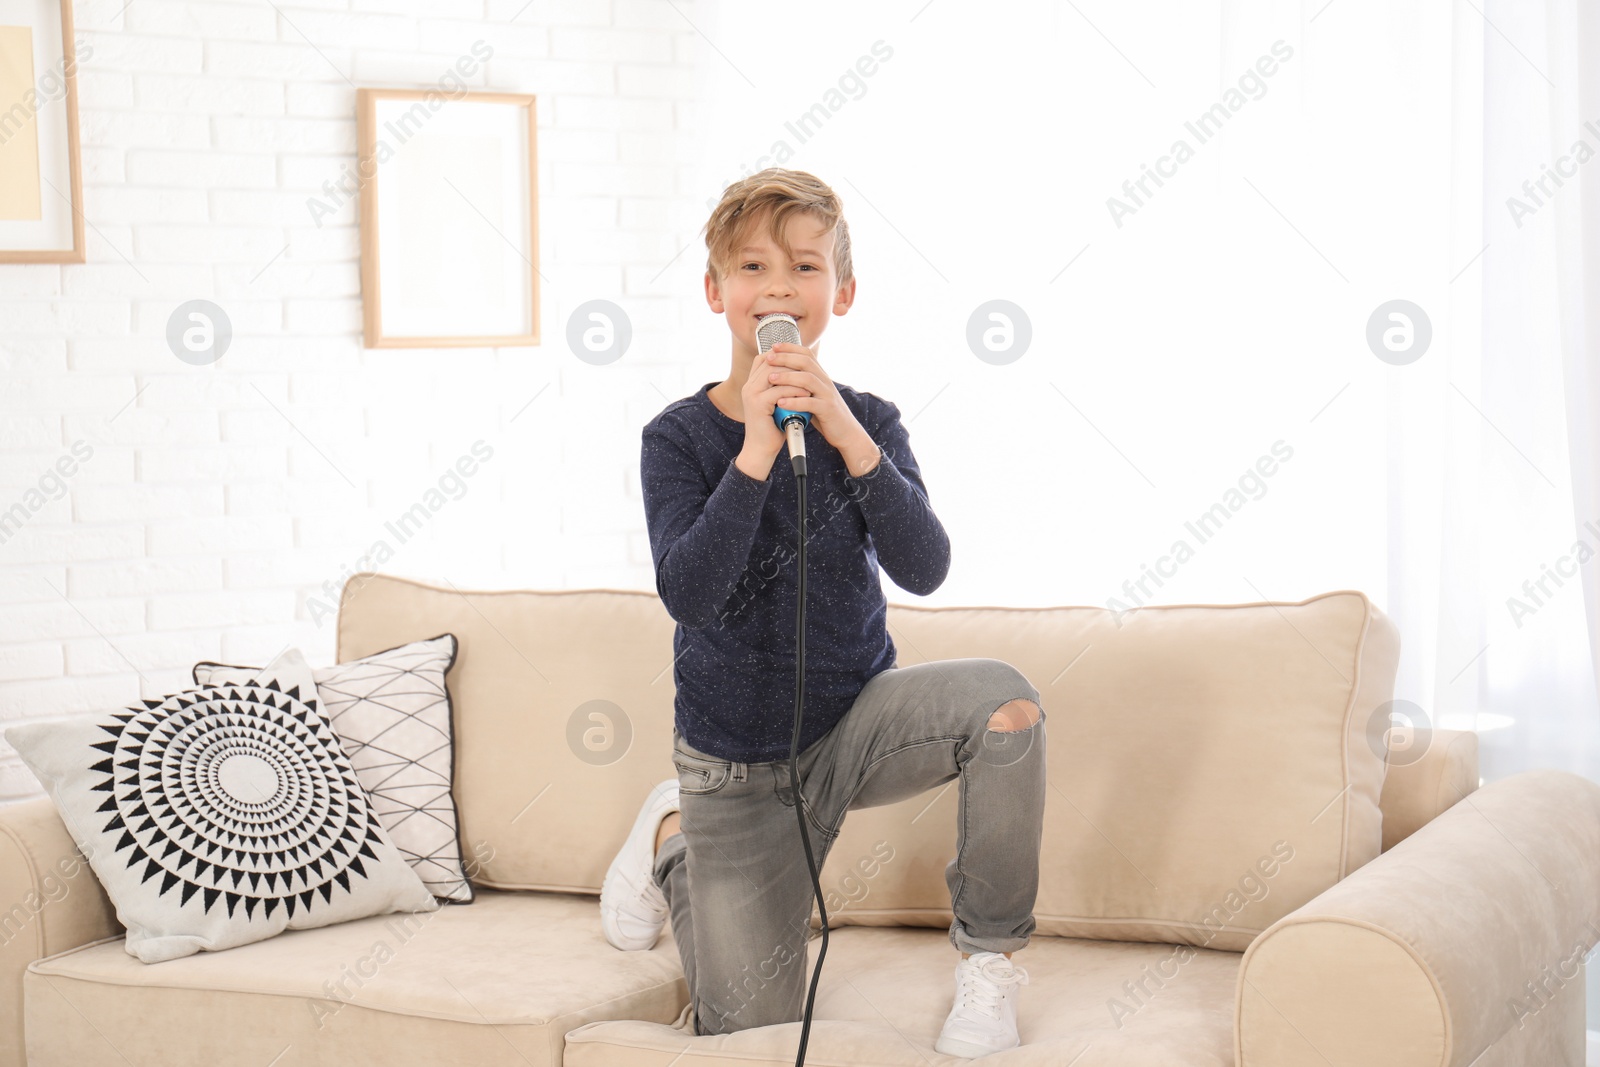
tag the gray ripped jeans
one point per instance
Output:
(736, 877)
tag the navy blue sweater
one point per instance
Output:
(725, 548)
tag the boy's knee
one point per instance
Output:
(1014, 715)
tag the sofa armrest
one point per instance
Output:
(50, 901)
(1469, 933)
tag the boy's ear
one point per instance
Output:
(844, 297)
(713, 294)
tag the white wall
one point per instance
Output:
(218, 501)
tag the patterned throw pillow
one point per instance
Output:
(391, 711)
(221, 815)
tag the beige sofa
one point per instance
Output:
(1232, 871)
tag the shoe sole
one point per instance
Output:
(953, 1047)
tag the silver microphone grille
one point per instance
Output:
(778, 328)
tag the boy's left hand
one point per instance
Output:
(795, 365)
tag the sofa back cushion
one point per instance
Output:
(1211, 767)
(563, 716)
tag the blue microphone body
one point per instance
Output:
(779, 414)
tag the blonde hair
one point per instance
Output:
(781, 193)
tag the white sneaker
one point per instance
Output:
(632, 907)
(984, 1016)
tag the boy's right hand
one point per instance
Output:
(762, 438)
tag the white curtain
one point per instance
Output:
(1495, 461)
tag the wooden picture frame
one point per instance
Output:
(41, 174)
(449, 218)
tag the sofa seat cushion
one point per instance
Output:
(885, 993)
(498, 981)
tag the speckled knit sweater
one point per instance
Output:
(726, 545)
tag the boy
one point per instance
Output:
(723, 529)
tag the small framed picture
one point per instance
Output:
(449, 218)
(41, 180)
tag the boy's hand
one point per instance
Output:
(789, 364)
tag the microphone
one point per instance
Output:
(780, 328)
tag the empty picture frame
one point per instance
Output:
(41, 179)
(449, 218)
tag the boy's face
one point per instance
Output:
(762, 279)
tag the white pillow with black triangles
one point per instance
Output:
(391, 712)
(221, 815)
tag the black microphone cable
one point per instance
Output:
(781, 328)
(799, 463)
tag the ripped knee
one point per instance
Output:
(1014, 715)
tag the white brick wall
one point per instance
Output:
(217, 501)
